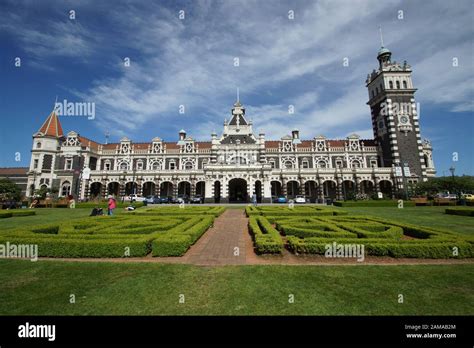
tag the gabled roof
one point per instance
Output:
(52, 126)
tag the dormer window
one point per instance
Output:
(38, 145)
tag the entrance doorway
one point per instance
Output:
(238, 191)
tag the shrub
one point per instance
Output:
(266, 238)
(460, 211)
(373, 203)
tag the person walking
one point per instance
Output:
(111, 206)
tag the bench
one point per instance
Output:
(421, 201)
(444, 201)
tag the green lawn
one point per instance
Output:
(44, 288)
(47, 216)
(433, 217)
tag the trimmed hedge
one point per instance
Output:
(296, 211)
(373, 203)
(16, 213)
(120, 236)
(266, 238)
(460, 211)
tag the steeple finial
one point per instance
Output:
(238, 96)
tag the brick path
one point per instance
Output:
(217, 245)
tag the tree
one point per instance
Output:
(457, 185)
(9, 190)
(43, 191)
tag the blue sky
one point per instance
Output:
(190, 62)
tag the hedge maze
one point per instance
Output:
(169, 232)
(16, 213)
(308, 230)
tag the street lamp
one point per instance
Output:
(452, 169)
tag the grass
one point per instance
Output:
(44, 288)
(433, 217)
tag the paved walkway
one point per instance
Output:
(227, 242)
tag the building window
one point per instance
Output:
(66, 189)
(155, 166)
(35, 164)
(123, 166)
(288, 165)
(322, 164)
(172, 165)
(139, 165)
(390, 84)
(339, 164)
(398, 84)
(38, 145)
(355, 164)
(404, 84)
(373, 163)
(305, 164)
(68, 164)
(107, 165)
(188, 166)
(272, 164)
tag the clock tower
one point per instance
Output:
(395, 118)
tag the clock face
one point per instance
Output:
(404, 119)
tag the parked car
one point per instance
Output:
(197, 199)
(281, 199)
(164, 200)
(152, 199)
(134, 198)
(300, 199)
(469, 197)
(182, 199)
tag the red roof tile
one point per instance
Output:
(52, 126)
(13, 171)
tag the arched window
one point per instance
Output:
(289, 165)
(272, 164)
(107, 165)
(38, 145)
(355, 164)
(139, 165)
(66, 189)
(322, 164)
(398, 84)
(188, 166)
(123, 166)
(390, 84)
(305, 164)
(155, 166)
(404, 84)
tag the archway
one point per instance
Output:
(385, 187)
(292, 189)
(65, 189)
(113, 188)
(276, 188)
(201, 188)
(166, 189)
(366, 187)
(329, 189)
(258, 190)
(217, 191)
(238, 191)
(130, 188)
(94, 189)
(184, 189)
(148, 189)
(310, 188)
(348, 189)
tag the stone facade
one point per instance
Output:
(238, 163)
